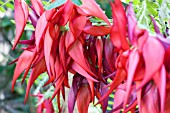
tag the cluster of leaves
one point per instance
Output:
(75, 36)
(5, 5)
(159, 9)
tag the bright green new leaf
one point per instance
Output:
(29, 27)
(2, 9)
(10, 5)
(1, 2)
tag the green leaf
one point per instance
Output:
(5, 22)
(1, 2)
(56, 4)
(13, 21)
(10, 5)
(4, 3)
(45, 2)
(136, 2)
(168, 5)
(152, 8)
(95, 20)
(99, 22)
(28, 1)
(77, 2)
(29, 27)
(2, 9)
(159, 2)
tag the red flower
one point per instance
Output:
(118, 32)
(65, 40)
(21, 8)
(45, 105)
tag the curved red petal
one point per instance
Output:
(21, 8)
(38, 6)
(36, 71)
(90, 7)
(153, 57)
(40, 31)
(132, 65)
(97, 30)
(22, 64)
(118, 32)
(83, 99)
(76, 52)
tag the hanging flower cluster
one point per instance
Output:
(66, 40)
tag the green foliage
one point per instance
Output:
(159, 9)
(55, 4)
(6, 5)
(105, 5)
(58, 3)
(99, 22)
(77, 2)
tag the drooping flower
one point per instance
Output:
(66, 40)
(21, 8)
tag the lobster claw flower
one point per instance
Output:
(151, 98)
(77, 48)
(72, 94)
(167, 60)
(80, 89)
(36, 71)
(96, 11)
(118, 31)
(38, 7)
(66, 41)
(77, 23)
(46, 104)
(23, 63)
(40, 30)
(21, 8)
(97, 30)
(152, 63)
(66, 13)
(133, 59)
(83, 93)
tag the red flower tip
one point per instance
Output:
(118, 32)
(21, 8)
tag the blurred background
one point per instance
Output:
(10, 102)
(13, 102)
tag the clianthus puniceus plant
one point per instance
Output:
(66, 40)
